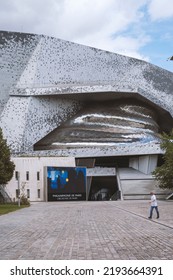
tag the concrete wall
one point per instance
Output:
(33, 165)
(101, 171)
(145, 164)
(137, 185)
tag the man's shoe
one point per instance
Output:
(149, 218)
(157, 218)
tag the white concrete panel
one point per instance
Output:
(101, 171)
(130, 174)
(140, 189)
(152, 163)
(134, 162)
(143, 164)
(137, 186)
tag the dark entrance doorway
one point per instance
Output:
(103, 188)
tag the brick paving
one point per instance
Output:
(86, 231)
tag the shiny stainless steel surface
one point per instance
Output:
(106, 124)
(46, 81)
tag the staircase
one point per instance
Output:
(137, 185)
(116, 196)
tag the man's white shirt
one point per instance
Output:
(153, 200)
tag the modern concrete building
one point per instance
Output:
(104, 110)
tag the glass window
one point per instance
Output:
(38, 193)
(27, 175)
(17, 193)
(16, 175)
(38, 176)
(28, 193)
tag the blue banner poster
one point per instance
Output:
(66, 183)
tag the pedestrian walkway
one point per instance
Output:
(87, 230)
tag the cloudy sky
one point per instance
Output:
(137, 28)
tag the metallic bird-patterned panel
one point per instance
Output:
(45, 81)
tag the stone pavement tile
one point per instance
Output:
(87, 230)
(142, 207)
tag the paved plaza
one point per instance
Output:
(87, 230)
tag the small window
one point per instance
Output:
(38, 191)
(27, 175)
(38, 176)
(17, 193)
(28, 193)
(16, 175)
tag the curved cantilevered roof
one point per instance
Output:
(51, 71)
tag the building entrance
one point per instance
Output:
(103, 188)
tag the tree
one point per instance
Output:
(6, 165)
(164, 173)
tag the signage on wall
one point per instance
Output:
(66, 183)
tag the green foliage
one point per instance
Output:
(24, 200)
(6, 165)
(164, 173)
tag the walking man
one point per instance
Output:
(154, 205)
